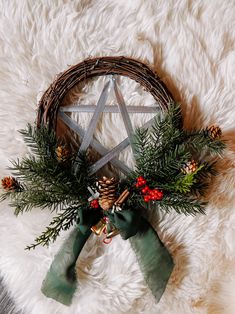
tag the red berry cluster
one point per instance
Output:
(140, 182)
(95, 203)
(149, 194)
(153, 195)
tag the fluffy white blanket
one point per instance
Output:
(191, 46)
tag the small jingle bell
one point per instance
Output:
(112, 233)
(99, 227)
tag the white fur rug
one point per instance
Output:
(191, 44)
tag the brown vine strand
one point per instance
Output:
(89, 68)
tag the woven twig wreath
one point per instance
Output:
(173, 167)
(135, 70)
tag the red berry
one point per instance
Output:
(155, 191)
(145, 190)
(94, 204)
(141, 181)
(147, 198)
(155, 194)
(160, 195)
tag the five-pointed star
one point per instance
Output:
(87, 137)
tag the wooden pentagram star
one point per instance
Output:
(87, 138)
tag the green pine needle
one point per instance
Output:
(185, 184)
(63, 221)
(160, 153)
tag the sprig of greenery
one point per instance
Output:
(200, 141)
(48, 182)
(185, 183)
(161, 153)
(63, 221)
(181, 204)
(165, 149)
(41, 141)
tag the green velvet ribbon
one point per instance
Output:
(154, 260)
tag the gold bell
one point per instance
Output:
(99, 227)
(112, 233)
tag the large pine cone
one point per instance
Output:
(107, 190)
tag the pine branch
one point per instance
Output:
(185, 184)
(166, 130)
(29, 199)
(63, 221)
(165, 169)
(166, 147)
(141, 141)
(5, 195)
(201, 143)
(41, 141)
(161, 152)
(203, 178)
(181, 204)
(50, 184)
(175, 115)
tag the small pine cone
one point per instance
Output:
(62, 153)
(107, 190)
(214, 131)
(189, 167)
(10, 184)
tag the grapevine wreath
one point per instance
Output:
(173, 168)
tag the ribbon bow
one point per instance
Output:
(154, 260)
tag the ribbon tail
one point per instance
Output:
(154, 259)
(60, 282)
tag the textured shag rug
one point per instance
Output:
(191, 45)
(7, 305)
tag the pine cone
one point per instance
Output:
(62, 153)
(214, 131)
(189, 167)
(10, 184)
(107, 190)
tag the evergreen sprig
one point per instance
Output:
(63, 221)
(163, 151)
(47, 182)
(200, 141)
(181, 204)
(162, 155)
(185, 183)
(41, 141)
